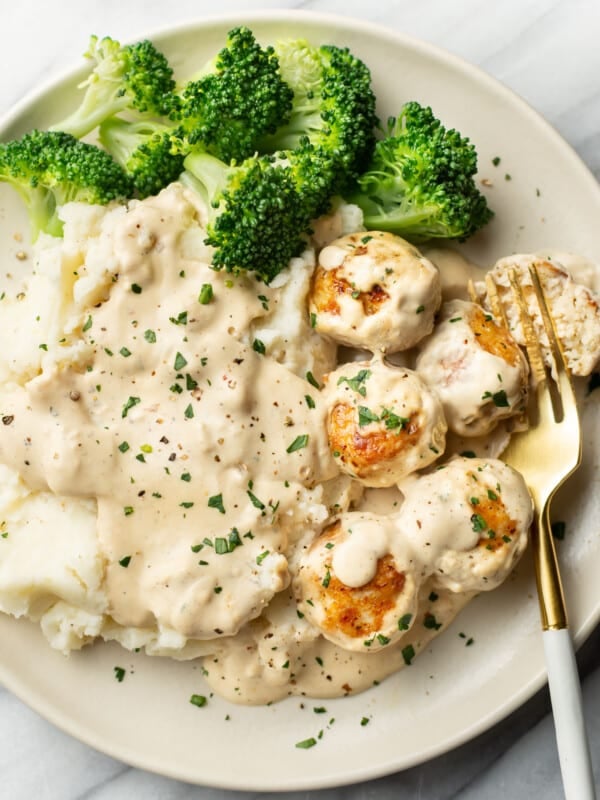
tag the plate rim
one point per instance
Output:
(65, 78)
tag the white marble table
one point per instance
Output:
(547, 51)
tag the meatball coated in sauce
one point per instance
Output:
(352, 588)
(475, 516)
(383, 422)
(475, 366)
(374, 291)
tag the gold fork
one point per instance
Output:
(546, 454)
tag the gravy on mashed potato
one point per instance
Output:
(165, 461)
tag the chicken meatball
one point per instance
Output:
(471, 518)
(383, 422)
(351, 587)
(476, 367)
(574, 308)
(374, 291)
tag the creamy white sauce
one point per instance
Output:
(211, 472)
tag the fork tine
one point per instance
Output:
(534, 352)
(561, 370)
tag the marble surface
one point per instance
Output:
(545, 50)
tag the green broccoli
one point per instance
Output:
(256, 217)
(50, 168)
(134, 77)
(238, 97)
(420, 182)
(330, 136)
(144, 149)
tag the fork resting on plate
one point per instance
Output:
(546, 454)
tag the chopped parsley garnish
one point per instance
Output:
(468, 454)
(255, 501)
(320, 710)
(190, 383)
(312, 380)
(189, 412)
(298, 443)
(206, 294)
(364, 721)
(357, 384)
(128, 510)
(43, 347)
(313, 320)
(180, 319)
(366, 239)
(87, 324)
(408, 653)
(499, 399)
(124, 562)
(327, 579)
(366, 416)
(264, 301)
(393, 421)
(478, 523)
(455, 319)
(305, 744)
(433, 596)
(187, 504)
(309, 401)
(124, 447)
(198, 700)
(404, 622)
(136, 288)
(259, 347)
(186, 477)
(420, 309)
(150, 336)
(383, 640)
(131, 402)
(261, 557)
(216, 501)
(180, 362)
(431, 622)
(119, 673)
(221, 546)
(492, 495)
(176, 388)
(125, 352)
(496, 160)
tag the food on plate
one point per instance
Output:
(419, 183)
(476, 367)
(475, 514)
(188, 464)
(49, 169)
(356, 587)
(464, 526)
(573, 306)
(383, 422)
(374, 291)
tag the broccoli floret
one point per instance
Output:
(134, 77)
(256, 217)
(238, 97)
(330, 135)
(51, 168)
(420, 182)
(145, 151)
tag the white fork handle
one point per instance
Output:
(569, 724)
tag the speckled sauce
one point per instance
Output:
(217, 481)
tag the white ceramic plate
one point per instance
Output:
(451, 692)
